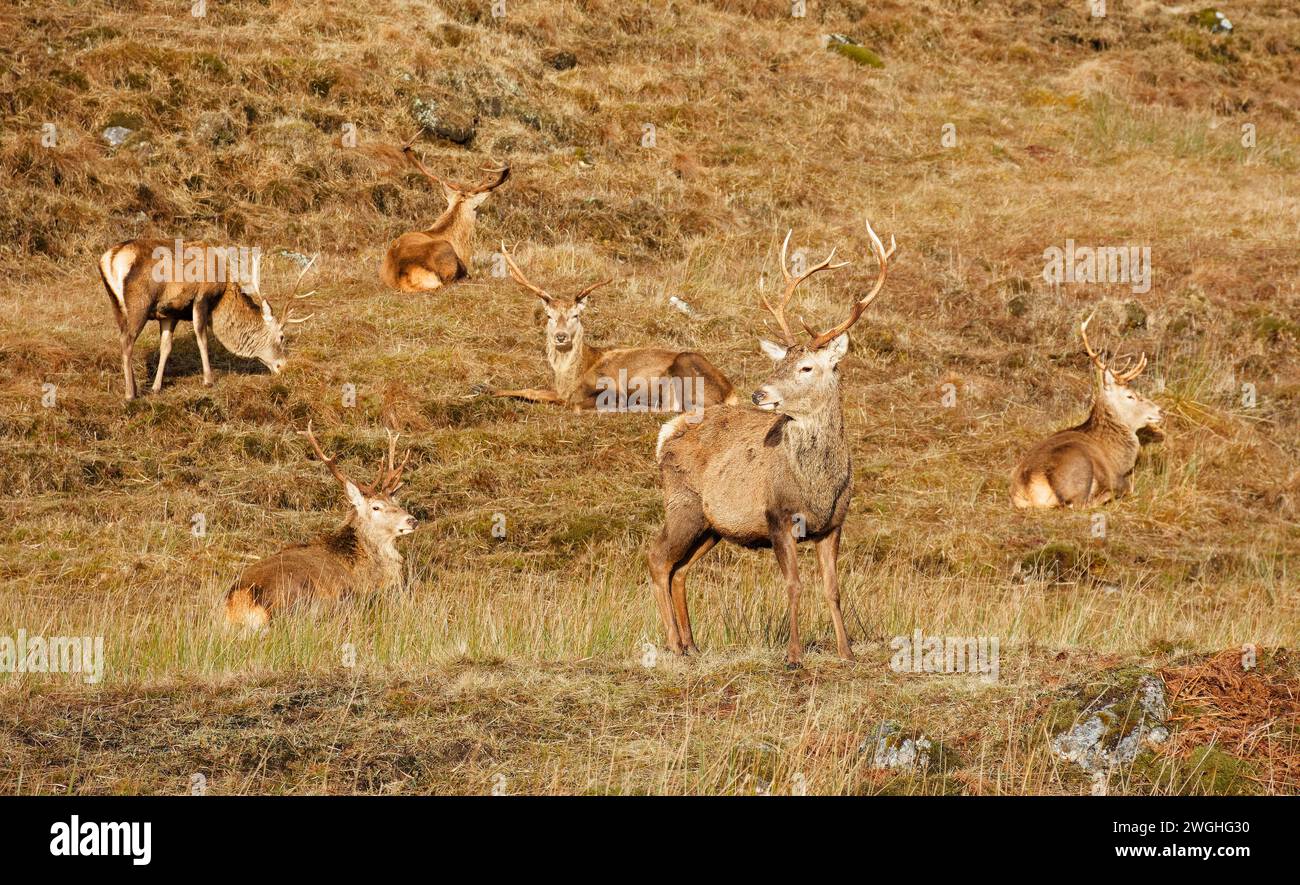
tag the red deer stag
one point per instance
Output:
(358, 558)
(769, 476)
(615, 378)
(1092, 462)
(174, 281)
(422, 261)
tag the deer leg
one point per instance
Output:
(828, 554)
(128, 373)
(131, 325)
(684, 524)
(532, 394)
(165, 328)
(201, 338)
(787, 558)
(703, 546)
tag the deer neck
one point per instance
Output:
(238, 323)
(569, 365)
(456, 225)
(817, 459)
(371, 554)
(1118, 441)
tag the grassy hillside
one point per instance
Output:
(526, 656)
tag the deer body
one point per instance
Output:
(138, 293)
(1091, 463)
(770, 476)
(422, 261)
(357, 559)
(587, 377)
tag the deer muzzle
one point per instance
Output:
(766, 399)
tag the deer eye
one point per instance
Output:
(805, 368)
(376, 507)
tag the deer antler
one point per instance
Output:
(791, 283)
(424, 170)
(592, 288)
(518, 276)
(332, 462)
(390, 473)
(500, 173)
(1121, 377)
(294, 296)
(859, 306)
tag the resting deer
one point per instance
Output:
(769, 476)
(358, 558)
(422, 261)
(586, 377)
(1092, 462)
(173, 281)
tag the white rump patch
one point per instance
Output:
(115, 265)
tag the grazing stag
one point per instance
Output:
(174, 281)
(422, 261)
(769, 476)
(627, 378)
(358, 558)
(1092, 462)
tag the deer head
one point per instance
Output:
(463, 197)
(375, 509)
(1129, 407)
(806, 375)
(563, 315)
(267, 343)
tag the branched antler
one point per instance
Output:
(331, 462)
(294, 296)
(859, 306)
(791, 283)
(1123, 376)
(390, 473)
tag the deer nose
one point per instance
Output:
(561, 337)
(411, 522)
(758, 397)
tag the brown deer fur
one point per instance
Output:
(583, 372)
(244, 322)
(358, 558)
(422, 261)
(765, 477)
(1092, 462)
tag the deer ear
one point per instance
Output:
(266, 311)
(354, 495)
(476, 200)
(838, 347)
(775, 352)
(1108, 379)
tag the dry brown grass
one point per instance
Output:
(522, 656)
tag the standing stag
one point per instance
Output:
(588, 377)
(174, 281)
(1092, 462)
(358, 558)
(422, 261)
(765, 477)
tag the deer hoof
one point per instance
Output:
(692, 650)
(794, 665)
(482, 389)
